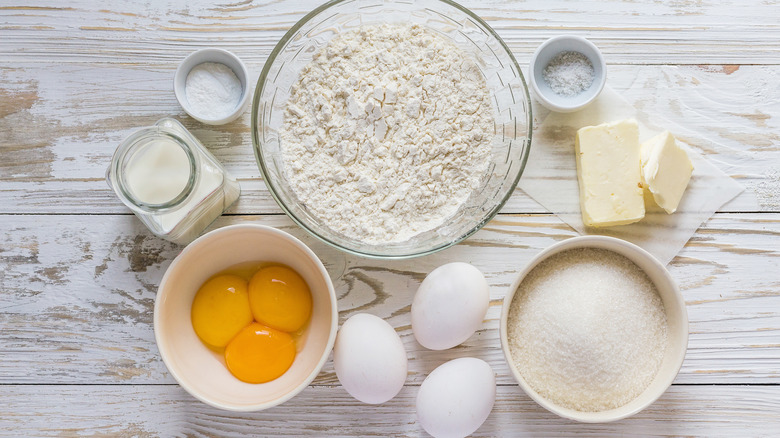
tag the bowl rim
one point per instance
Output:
(160, 342)
(576, 105)
(210, 54)
(621, 247)
(259, 158)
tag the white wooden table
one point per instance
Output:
(78, 272)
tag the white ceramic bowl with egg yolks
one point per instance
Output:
(676, 316)
(201, 371)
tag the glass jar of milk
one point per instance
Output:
(170, 181)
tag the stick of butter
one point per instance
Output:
(609, 175)
(666, 170)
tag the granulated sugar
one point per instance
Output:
(587, 329)
(569, 73)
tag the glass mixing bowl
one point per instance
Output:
(511, 108)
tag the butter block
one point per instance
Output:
(666, 170)
(608, 171)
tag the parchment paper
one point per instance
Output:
(550, 178)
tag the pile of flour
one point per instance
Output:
(387, 132)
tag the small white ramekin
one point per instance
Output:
(211, 55)
(546, 52)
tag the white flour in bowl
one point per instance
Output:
(387, 132)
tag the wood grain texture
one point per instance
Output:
(649, 32)
(79, 273)
(58, 142)
(79, 295)
(131, 410)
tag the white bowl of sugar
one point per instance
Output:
(594, 329)
(567, 73)
(212, 86)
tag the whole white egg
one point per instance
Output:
(456, 398)
(370, 359)
(449, 306)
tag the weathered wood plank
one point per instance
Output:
(78, 294)
(681, 32)
(57, 142)
(166, 410)
(78, 274)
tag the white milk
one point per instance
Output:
(151, 173)
(158, 173)
(209, 180)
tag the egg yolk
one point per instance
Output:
(259, 354)
(280, 298)
(221, 309)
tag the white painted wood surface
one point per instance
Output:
(78, 273)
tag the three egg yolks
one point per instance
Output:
(226, 307)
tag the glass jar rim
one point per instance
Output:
(124, 152)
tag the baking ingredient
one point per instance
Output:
(387, 132)
(449, 305)
(666, 170)
(280, 298)
(369, 359)
(608, 171)
(587, 329)
(214, 191)
(213, 90)
(151, 166)
(212, 194)
(220, 309)
(259, 354)
(252, 314)
(569, 73)
(158, 172)
(456, 398)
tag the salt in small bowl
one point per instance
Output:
(221, 57)
(549, 50)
